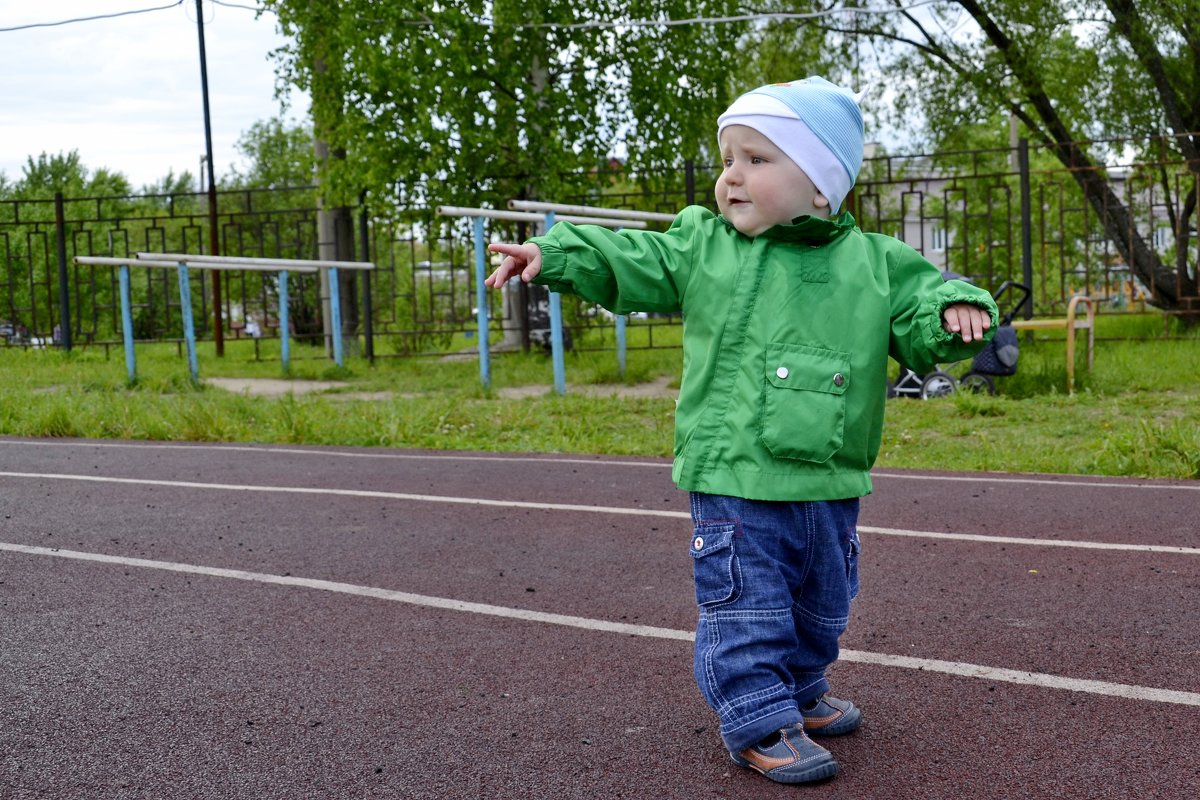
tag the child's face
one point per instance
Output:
(760, 186)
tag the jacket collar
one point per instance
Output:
(807, 229)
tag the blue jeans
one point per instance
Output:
(774, 581)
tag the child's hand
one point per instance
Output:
(523, 258)
(966, 319)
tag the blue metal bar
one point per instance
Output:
(621, 320)
(556, 330)
(335, 314)
(481, 304)
(127, 322)
(189, 328)
(284, 338)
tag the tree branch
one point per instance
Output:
(1132, 28)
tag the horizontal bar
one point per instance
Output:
(529, 216)
(270, 264)
(564, 208)
(109, 261)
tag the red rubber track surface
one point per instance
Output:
(125, 679)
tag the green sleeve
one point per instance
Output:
(624, 271)
(919, 296)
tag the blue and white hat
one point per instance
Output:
(815, 123)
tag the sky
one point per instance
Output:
(126, 92)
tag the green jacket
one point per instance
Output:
(785, 343)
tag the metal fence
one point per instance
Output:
(990, 215)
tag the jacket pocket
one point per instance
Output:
(804, 401)
(714, 563)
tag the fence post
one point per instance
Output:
(365, 245)
(127, 322)
(481, 304)
(284, 323)
(689, 179)
(1026, 224)
(64, 292)
(335, 312)
(556, 331)
(189, 327)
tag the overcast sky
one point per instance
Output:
(125, 92)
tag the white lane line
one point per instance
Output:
(1098, 484)
(519, 458)
(957, 668)
(298, 451)
(634, 512)
(1039, 679)
(1075, 543)
(423, 498)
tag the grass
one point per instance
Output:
(1135, 414)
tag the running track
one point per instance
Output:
(219, 621)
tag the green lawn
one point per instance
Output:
(1136, 414)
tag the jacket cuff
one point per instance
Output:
(554, 262)
(934, 307)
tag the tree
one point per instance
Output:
(66, 173)
(278, 156)
(1076, 73)
(171, 184)
(474, 101)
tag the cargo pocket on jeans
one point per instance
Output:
(804, 404)
(714, 563)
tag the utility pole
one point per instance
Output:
(214, 238)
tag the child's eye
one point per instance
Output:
(756, 159)
(728, 163)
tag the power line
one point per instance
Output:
(668, 23)
(779, 15)
(255, 9)
(89, 19)
(629, 23)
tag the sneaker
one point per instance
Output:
(829, 716)
(788, 757)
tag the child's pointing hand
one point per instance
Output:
(525, 259)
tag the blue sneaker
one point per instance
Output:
(788, 757)
(829, 716)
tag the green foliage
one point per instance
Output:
(1070, 71)
(471, 102)
(65, 172)
(279, 156)
(172, 184)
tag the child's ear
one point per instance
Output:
(821, 201)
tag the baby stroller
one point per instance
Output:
(997, 358)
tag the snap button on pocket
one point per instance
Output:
(839, 379)
(698, 543)
(782, 373)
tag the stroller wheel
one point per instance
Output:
(977, 383)
(938, 384)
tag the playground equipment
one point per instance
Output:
(550, 213)
(182, 262)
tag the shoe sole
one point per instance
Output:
(839, 727)
(817, 772)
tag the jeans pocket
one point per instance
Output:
(714, 563)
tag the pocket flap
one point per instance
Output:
(711, 538)
(815, 369)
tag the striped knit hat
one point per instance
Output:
(815, 123)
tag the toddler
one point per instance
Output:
(789, 315)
